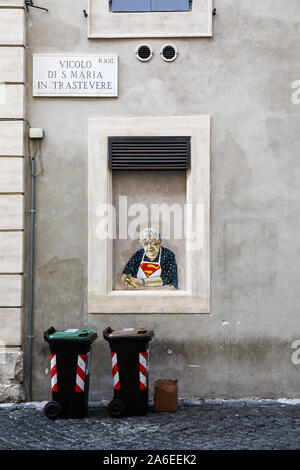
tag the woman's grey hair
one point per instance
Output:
(149, 232)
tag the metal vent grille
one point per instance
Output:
(149, 153)
(168, 52)
(144, 52)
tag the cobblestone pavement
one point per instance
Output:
(208, 426)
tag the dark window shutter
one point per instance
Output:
(149, 153)
(130, 5)
(170, 5)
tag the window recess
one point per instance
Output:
(149, 5)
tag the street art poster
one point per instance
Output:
(152, 265)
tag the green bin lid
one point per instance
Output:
(71, 334)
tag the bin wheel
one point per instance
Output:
(53, 410)
(116, 408)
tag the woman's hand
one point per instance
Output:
(130, 281)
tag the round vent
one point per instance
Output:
(144, 52)
(168, 52)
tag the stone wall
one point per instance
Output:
(12, 153)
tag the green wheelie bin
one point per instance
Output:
(70, 371)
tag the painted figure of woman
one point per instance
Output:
(152, 265)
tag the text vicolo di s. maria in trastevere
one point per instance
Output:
(75, 75)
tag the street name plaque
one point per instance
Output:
(75, 75)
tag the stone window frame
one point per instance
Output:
(101, 296)
(102, 23)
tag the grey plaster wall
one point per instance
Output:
(241, 77)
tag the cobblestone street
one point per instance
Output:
(236, 425)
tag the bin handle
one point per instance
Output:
(51, 330)
(86, 333)
(108, 330)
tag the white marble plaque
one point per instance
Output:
(75, 75)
